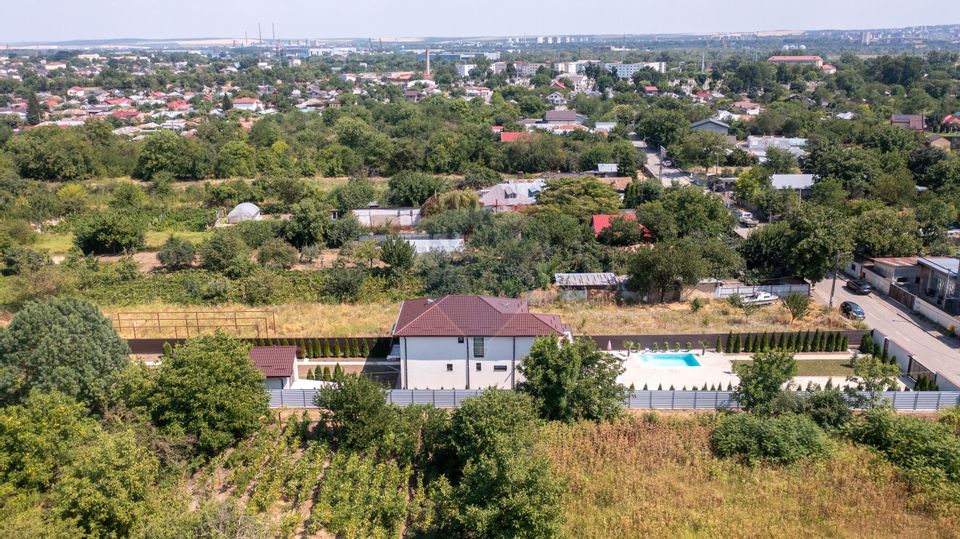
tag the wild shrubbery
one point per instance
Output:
(783, 439)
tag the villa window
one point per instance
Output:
(499, 368)
(460, 340)
(479, 366)
(449, 367)
(478, 348)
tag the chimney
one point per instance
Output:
(427, 74)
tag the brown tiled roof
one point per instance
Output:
(480, 316)
(274, 361)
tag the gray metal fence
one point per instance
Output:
(636, 400)
(776, 289)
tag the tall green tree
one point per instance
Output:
(209, 389)
(763, 379)
(573, 381)
(63, 345)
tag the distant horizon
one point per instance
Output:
(105, 20)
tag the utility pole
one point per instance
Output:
(836, 270)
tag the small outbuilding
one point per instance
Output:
(277, 363)
(245, 211)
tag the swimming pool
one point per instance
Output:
(680, 359)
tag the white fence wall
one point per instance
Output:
(777, 289)
(935, 314)
(877, 281)
(636, 400)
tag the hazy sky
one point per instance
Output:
(60, 20)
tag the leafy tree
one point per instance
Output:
(276, 254)
(344, 230)
(779, 161)
(309, 223)
(410, 188)
(63, 345)
(176, 254)
(34, 112)
(886, 232)
(21, 260)
(639, 192)
(573, 381)
(357, 411)
(110, 232)
(662, 127)
(36, 438)
(236, 159)
(874, 376)
(621, 232)
(105, 484)
(356, 193)
(208, 388)
(221, 249)
(494, 419)
(581, 198)
(397, 253)
(761, 381)
(667, 267)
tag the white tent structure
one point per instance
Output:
(245, 211)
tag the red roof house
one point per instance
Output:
(458, 316)
(601, 222)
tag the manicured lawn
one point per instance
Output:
(818, 367)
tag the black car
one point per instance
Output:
(852, 310)
(859, 287)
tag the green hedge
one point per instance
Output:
(784, 439)
(800, 341)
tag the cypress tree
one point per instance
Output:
(704, 387)
(354, 347)
(644, 386)
(336, 348)
(365, 348)
(737, 345)
(843, 344)
(790, 342)
(34, 112)
(660, 387)
(780, 343)
(837, 340)
(671, 387)
(748, 343)
(718, 347)
(806, 342)
(729, 344)
(815, 341)
(713, 387)
(831, 342)
(766, 342)
(326, 373)
(729, 386)
(326, 348)
(337, 372)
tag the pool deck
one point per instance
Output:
(715, 369)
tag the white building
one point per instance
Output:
(248, 103)
(626, 71)
(463, 70)
(467, 342)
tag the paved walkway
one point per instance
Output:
(917, 336)
(669, 174)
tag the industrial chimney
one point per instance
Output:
(427, 74)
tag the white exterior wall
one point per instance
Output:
(424, 360)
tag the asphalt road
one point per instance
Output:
(669, 174)
(918, 337)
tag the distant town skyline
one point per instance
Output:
(63, 20)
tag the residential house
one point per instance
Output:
(651, 90)
(711, 125)
(277, 363)
(828, 69)
(604, 127)
(513, 136)
(468, 342)
(758, 145)
(564, 117)
(557, 99)
(747, 107)
(248, 103)
(511, 195)
(916, 122)
(939, 284)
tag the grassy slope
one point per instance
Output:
(659, 479)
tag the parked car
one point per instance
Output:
(859, 287)
(850, 309)
(760, 298)
(746, 218)
(667, 163)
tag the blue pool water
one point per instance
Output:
(680, 359)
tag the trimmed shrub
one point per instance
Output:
(336, 348)
(326, 348)
(783, 440)
(737, 345)
(718, 347)
(728, 348)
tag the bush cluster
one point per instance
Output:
(783, 439)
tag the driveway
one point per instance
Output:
(669, 174)
(918, 337)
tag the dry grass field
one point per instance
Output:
(655, 476)
(355, 320)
